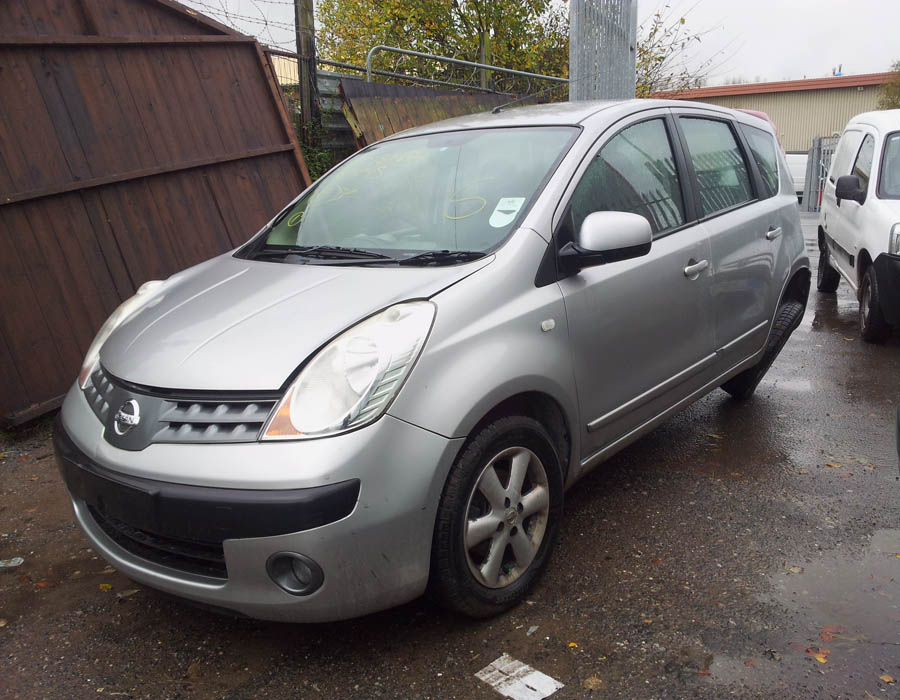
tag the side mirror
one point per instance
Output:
(608, 236)
(848, 187)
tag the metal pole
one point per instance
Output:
(306, 65)
(602, 49)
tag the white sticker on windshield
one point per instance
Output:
(506, 211)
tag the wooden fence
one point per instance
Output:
(137, 138)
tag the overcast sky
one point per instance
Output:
(764, 39)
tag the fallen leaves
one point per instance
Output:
(829, 632)
(796, 569)
(833, 465)
(593, 683)
(105, 586)
(2, 622)
(819, 654)
(715, 436)
(122, 595)
(887, 678)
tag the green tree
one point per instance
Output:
(889, 93)
(529, 35)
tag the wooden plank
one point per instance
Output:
(137, 174)
(109, 247)
(27, 293)
(287, 125)
(76, 40)
(33, 162)
(13, 417)
(197, 18)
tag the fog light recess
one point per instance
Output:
(295, 573)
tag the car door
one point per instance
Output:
(833, 212)
(854, 213)
(740, 212)
(640, 330)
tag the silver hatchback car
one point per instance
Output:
(390, 386)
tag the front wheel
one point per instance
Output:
(498, 518)
(872, 326)
(827, 278)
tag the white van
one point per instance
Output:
(859, 226)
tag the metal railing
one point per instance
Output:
(454, 61)
(292, 79)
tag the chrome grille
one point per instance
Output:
(98, 393)
(212, 421)
(177, 417)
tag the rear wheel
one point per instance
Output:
(827, 278)
(498, 518)
(789, 315)
(872, 326)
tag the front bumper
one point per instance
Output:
(245, 502)
(887, 272)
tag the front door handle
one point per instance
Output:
(693, 270)
(773, 233)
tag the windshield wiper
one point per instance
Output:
(322, 252)
(442, 257)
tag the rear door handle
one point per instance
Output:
(773, 233)
(693, 270)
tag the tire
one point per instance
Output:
(486, 530)
(827, 278)
(872, 326)
(789, 315)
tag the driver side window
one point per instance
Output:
(633, 172)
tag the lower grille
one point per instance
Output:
(202, 558)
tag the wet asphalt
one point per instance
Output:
(741, 550)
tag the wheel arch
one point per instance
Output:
(543, 408)
(797, 288)
(863, 262)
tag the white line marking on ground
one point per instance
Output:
(516, 680)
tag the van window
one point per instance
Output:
(722, 175)
(762, 146)
(843, 156)
(889, 187)
(634, 172)
(862, 168)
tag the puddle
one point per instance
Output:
(860, 595)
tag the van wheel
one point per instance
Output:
(789, 315)
(827, 278)
(498, 518)
(872, 326)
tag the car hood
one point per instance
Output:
(232, 324)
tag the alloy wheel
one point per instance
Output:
(506, 517)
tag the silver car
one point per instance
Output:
(389, 388)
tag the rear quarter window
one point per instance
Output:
(762, 146)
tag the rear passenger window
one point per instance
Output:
(862, 168)
(634, 172)
(762, 146)
(722, 176)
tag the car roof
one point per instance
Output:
(557, 114)
(882, 120)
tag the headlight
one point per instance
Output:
(352, 380)
(894, 242)
(124, 311)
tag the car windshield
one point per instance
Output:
(454, 193)
(890, 168)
